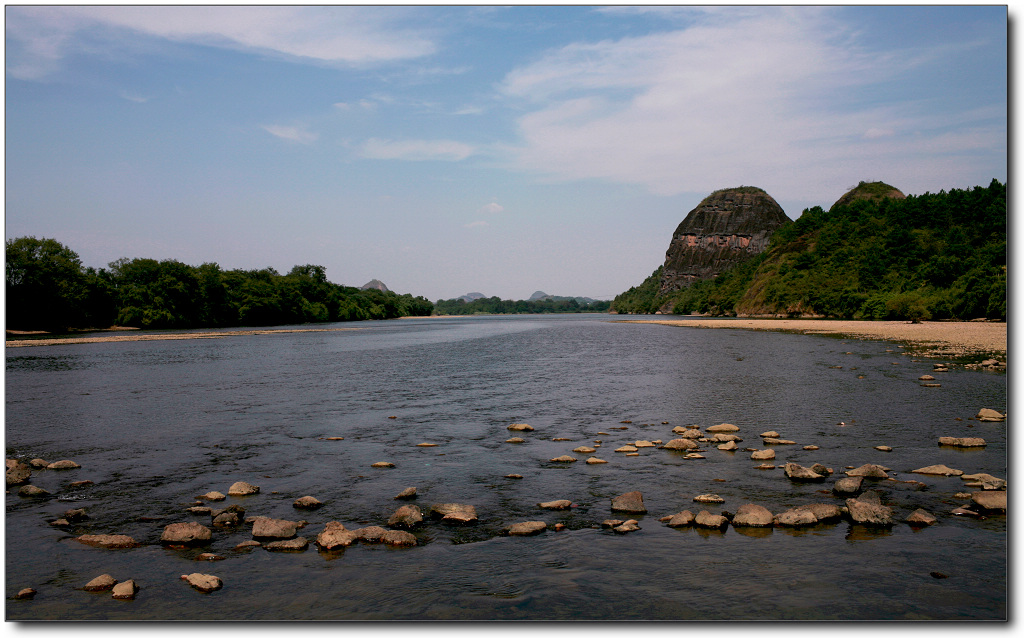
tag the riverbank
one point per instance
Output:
(170, 336)
(935, 338)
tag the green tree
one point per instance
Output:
(47, 288)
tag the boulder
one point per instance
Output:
(796, 517)
(108, 541)
(291, 545)
(848, 486)
(821, 469)
(691, 434)
(190, 533)
(868, 510)
(938, 470)
(988, 414)
(682, 519)
(705, 518)
(454, 513)
(562, 504)
(723, 427)
(631, 502)
(371, 534)
(273, 528)
(17, 472)
(230, 516)
(584, 449)
(565, 458)
(679, 444)
(213, 496)
(762, 455)
(626, 448)
(728, 447)
(406, 516)
(27, 593)
(100, 583)
(987, 481)
(869, 470)
(800, 473)
(990, 500)
(725, 438)
(752, 515)
(407, 493)
(643, 444)
(632, 525)
(63, 465)
(969, 441)
(595, 461)
(307, 503)
(383, 464)
(521, 427)
(31, 491)
(203, 582)
(528, 528)
(516, 439)
(823, 511)
(335, 536)
(241, 488)
(921, 518)
(770, 434)
(708, 498)
(398, 538)
(611, 522)
(125, 590)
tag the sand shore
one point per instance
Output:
(171, 336)
(937, 338)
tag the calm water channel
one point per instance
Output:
(155, 424)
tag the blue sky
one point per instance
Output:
(502, 150)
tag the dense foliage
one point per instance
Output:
(496, 306)
(48, 289)
(931, 256)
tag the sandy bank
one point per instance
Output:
(171, 336)
(942, 338)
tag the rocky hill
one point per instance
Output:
(374, 284)
(868, 191)
(728, 227)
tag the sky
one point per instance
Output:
(453, 149)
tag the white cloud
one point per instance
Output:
(291, 133)
(493, 208)
(417, 150)
(764, 96)
(43, 35)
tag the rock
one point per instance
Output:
(32, 491)
(682, 519)
(514, 476)
(931, 385)
(823, 511)
(521, 427)
(987, 414)
(640, 444)
(241, 488)
(868, 510)
(209, 556)
(770, 434)
(723, 427)
(921, 518)
(213, 496)
(705, 518)
(728, 447)
(63, 465)
(335, 536)
(39, 464)
(248, 544)
(762, 455)
(307, 503)
(291, 545)
(426, 445)
(370, 534)
(100, 583)
(962, 441)
(821, 469)
(938, 470)
(691, 434)
(811, 447)
(765, 466)
(108, 541)
(611, 522)
(565, 458)
(771, 441)
(800, 473)
(595, 461)
(629, 526)
(679, 444)
(583, 449)
(963, 511)
(407, 493)
(725, 438)
(752, 515)
(26, 594)
(796, 517)
(693, 455)
(563, 504)
(869, 470)
(708, 498)
(228, 517)
(883, 448)
(632, 502)
(273, 528)
(987, 481)
(561, 438)
(383, 464)
(186, 534)
(926, 377)
(528, 528)
(125, 590)
(200, 510)
(80, 483)
(406, 516)
(848, 486)
(990, 500)
(454, 513)
(626, 448)
(515, 439)
(17, 472)
(398, 538)
(203, 582)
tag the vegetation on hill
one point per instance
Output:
(930, 256)
(496, 306)
(48, 289)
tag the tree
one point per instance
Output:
(46, 285)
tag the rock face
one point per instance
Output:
(728, 227)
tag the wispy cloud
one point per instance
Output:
(39, 37)
(291, 133)
(133, 97)
(417, 150)
(491, 209)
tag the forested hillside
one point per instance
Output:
(49, 289)
(931, 256)
(496, 306)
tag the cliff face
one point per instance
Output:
(726, 228)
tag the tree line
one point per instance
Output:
(497, 306)
(932, 256)
(49, 289)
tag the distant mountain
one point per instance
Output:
(537, 296)
(470, 296)
(376, 284)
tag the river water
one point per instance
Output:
(155, 424)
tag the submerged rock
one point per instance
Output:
(562, 504)
(521, 427)
(773, 441)
(762, 455)
(565, 458)
(938, 470)
(848, 486)
(629, 526)
(921, 518)
(868, 510)
(398, 538)
(213, 496)
(870, 470)
(407, 516)
(108, 541)
(63, 465)
(969, 441)
(626, 448)
(454, 513)
(987, 414)
(32, 491)
(383, 464)
(291, 545)
(407, 493)
(987, 481)
(796, 517)
(723, 427)
(595, 461)
(823, 511)
(584, 449)
(708, 498)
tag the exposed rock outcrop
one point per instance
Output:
(728, 227)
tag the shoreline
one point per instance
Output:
(935, 338)
(176, 336)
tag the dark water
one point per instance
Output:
(154, 424)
